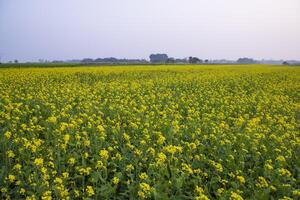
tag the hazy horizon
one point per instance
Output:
(209, 29)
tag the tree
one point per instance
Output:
(171, 60)
(16, 61)
(158, 58)
(87, 60)
(285, 63)
(179, 60)
(246, 61)
(194, 60)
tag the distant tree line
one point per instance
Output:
(112, 60)
(165, 59)
(162, 58)
(246, 61)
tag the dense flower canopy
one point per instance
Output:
(162, 132)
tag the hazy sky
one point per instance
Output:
(66, 29)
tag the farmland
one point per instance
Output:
(150, 132)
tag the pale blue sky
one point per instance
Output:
(66, 29)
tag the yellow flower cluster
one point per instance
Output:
(200, 193)
(144, 190)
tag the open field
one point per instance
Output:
(150, 132)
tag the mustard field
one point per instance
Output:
(150, 132)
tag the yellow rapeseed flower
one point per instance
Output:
(7, 134)
(104, 154)
(143, 176)
(71, 161)
(39, 162)
(241, 179)
(116, 180)
(52, 119)
(235, 196)
(90, 191)
(262, 183)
